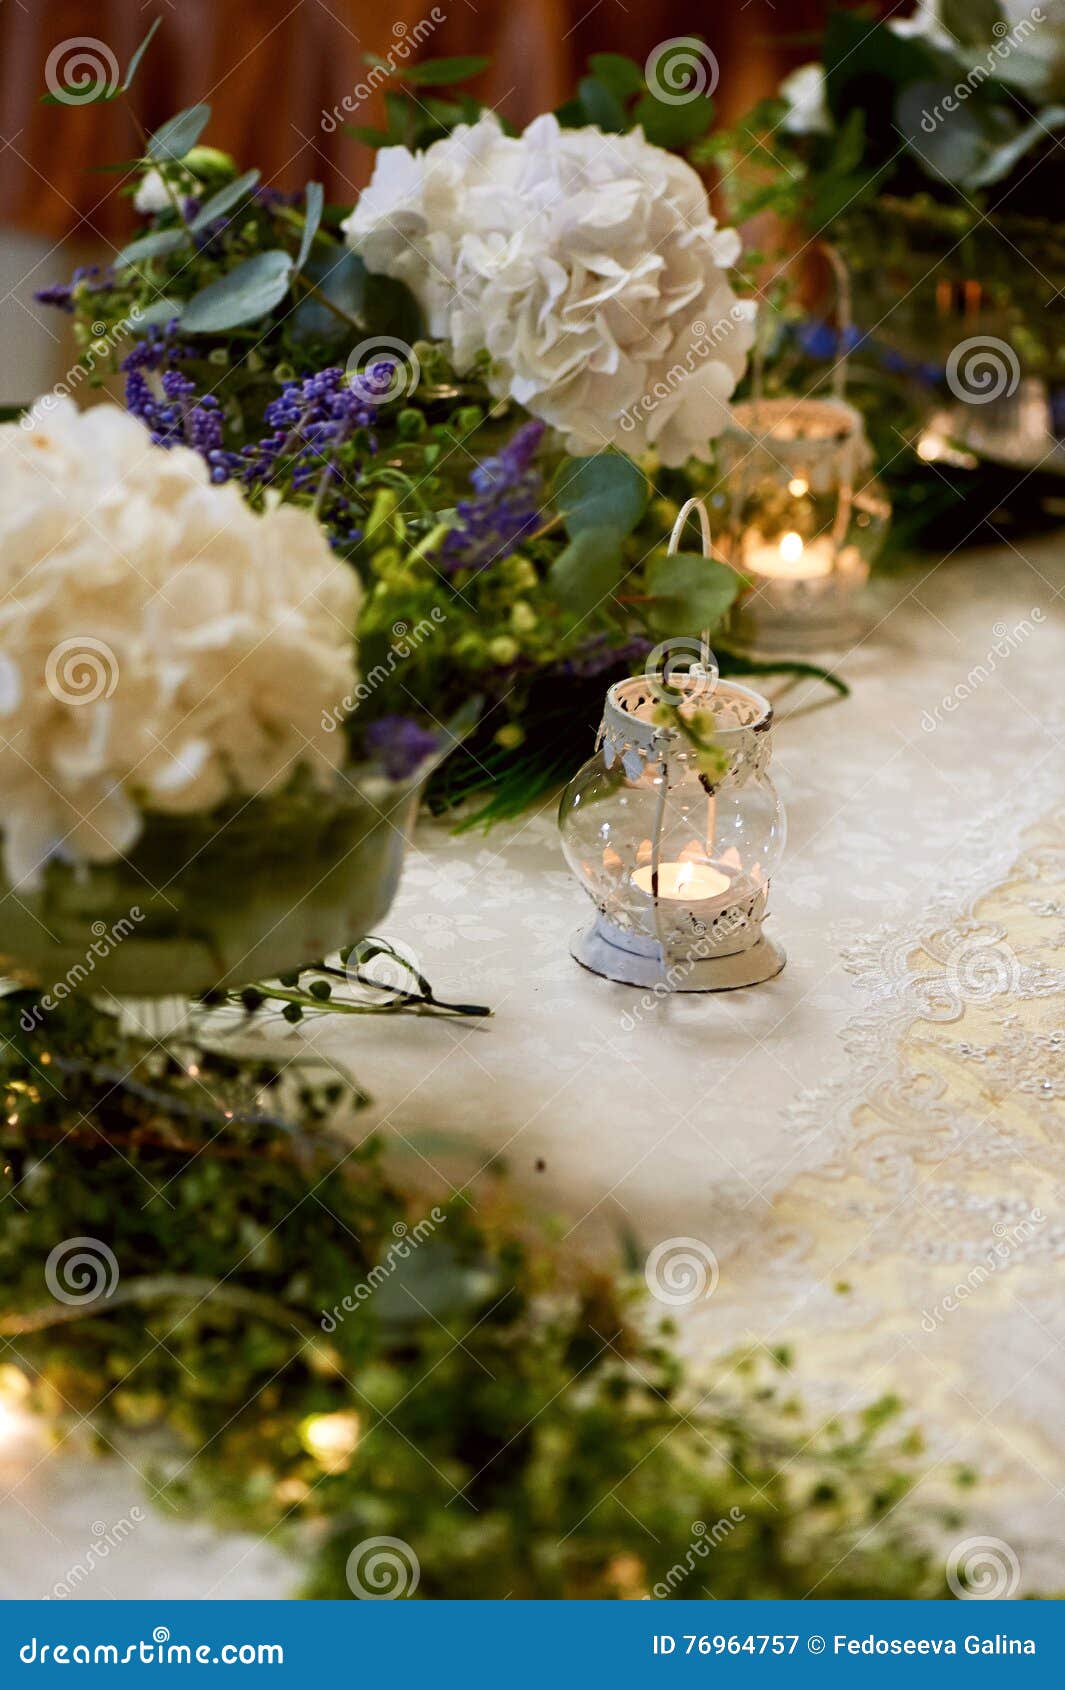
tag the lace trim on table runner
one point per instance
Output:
(899, 992)
(925, 1253)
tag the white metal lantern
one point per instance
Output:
(677, 860)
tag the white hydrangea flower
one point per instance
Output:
(587, 265)
(164, 646)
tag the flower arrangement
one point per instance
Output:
(175, 663)
(166, 647)
(293, 1342)
(494, 418)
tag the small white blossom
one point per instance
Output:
(808, 112)
(587, 265)
(162, 645)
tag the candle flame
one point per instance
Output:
(791, 547)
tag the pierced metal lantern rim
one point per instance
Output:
(595, 950)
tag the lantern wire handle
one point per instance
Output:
(844, 317)
(708, 665)
(707, 671)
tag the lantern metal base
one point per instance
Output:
(593, 950)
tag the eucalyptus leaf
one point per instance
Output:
(134, 63)
(179, 134)
(312, 217)
(1002, 159)
(435, 72)
(159, 311)
(950, 146)
(584, 576)
(220, 202)
(242, 296)
(689, 593)
(155, 245)
(603, 491)
(340, 275)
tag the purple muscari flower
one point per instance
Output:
(180, 418)
(400, 745)
(274, 199)
(308, 422)
(89, 276)
(510, 494)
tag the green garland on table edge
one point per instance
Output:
(504, 1410)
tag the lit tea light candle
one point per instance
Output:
(689, 882)
(790, 558)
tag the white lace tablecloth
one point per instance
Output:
(844, 1175)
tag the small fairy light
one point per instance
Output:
(798, 487)
(17, 1425)
(331, 1438)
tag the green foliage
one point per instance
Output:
(178, 135)
(688, 591)
(616, 96)
(607, 491)
(508, 1412)
(243, 295)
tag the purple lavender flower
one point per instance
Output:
(400, 745)
(510, 493)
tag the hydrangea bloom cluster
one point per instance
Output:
(165, 646)
(587, 265)
(510, 497)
